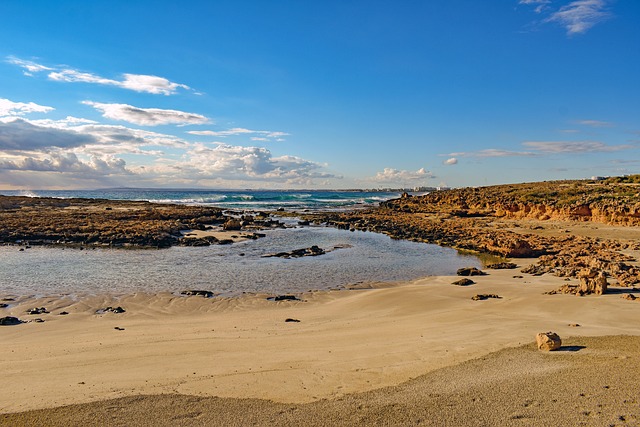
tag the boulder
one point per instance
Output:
(463, 282)
(548, 341)
(9, 321)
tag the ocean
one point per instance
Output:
(352, 257)
(230, 199)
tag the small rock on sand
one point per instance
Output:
(470, 271)
(463, 282)
(548, 341)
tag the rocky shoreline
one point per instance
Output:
(503, 220)
(111, 223)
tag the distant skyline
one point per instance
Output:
(309, 94)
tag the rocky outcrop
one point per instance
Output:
(111, 223)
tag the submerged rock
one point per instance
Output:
(298, 253)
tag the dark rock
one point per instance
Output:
(118, 328)
(284, 298)
(298, 253)
(10, 321)
(481, 297)
(206, 294)
(37, 310)
(470, 271)
(305, 222)
(292, 320)
(464, 282)
(195, 242)
(8, 299)
(63, 313)
(225, 241)
(502, 266)
(116, 310)
(3, 305)
(280, 209)
(38, 320)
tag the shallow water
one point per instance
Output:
(227, 269)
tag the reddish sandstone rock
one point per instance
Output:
(548, 341)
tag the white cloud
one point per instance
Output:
(450, 161)
(264, 134)
(540, 4)
(146, 116)
(555, 147)
(402, 176)
(10, 108)
(136, 82)
(250, 162)
(150, 84)
(492, 152)
(594, 123)
(74, 76)
(581, 15)
(29, 67)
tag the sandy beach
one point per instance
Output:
(372, 349)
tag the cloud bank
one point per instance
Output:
(390, 175)
(76, 152)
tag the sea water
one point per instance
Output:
(230, 199)
(351, 258)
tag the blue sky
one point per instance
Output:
(310, 94)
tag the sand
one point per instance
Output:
(417, 351)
